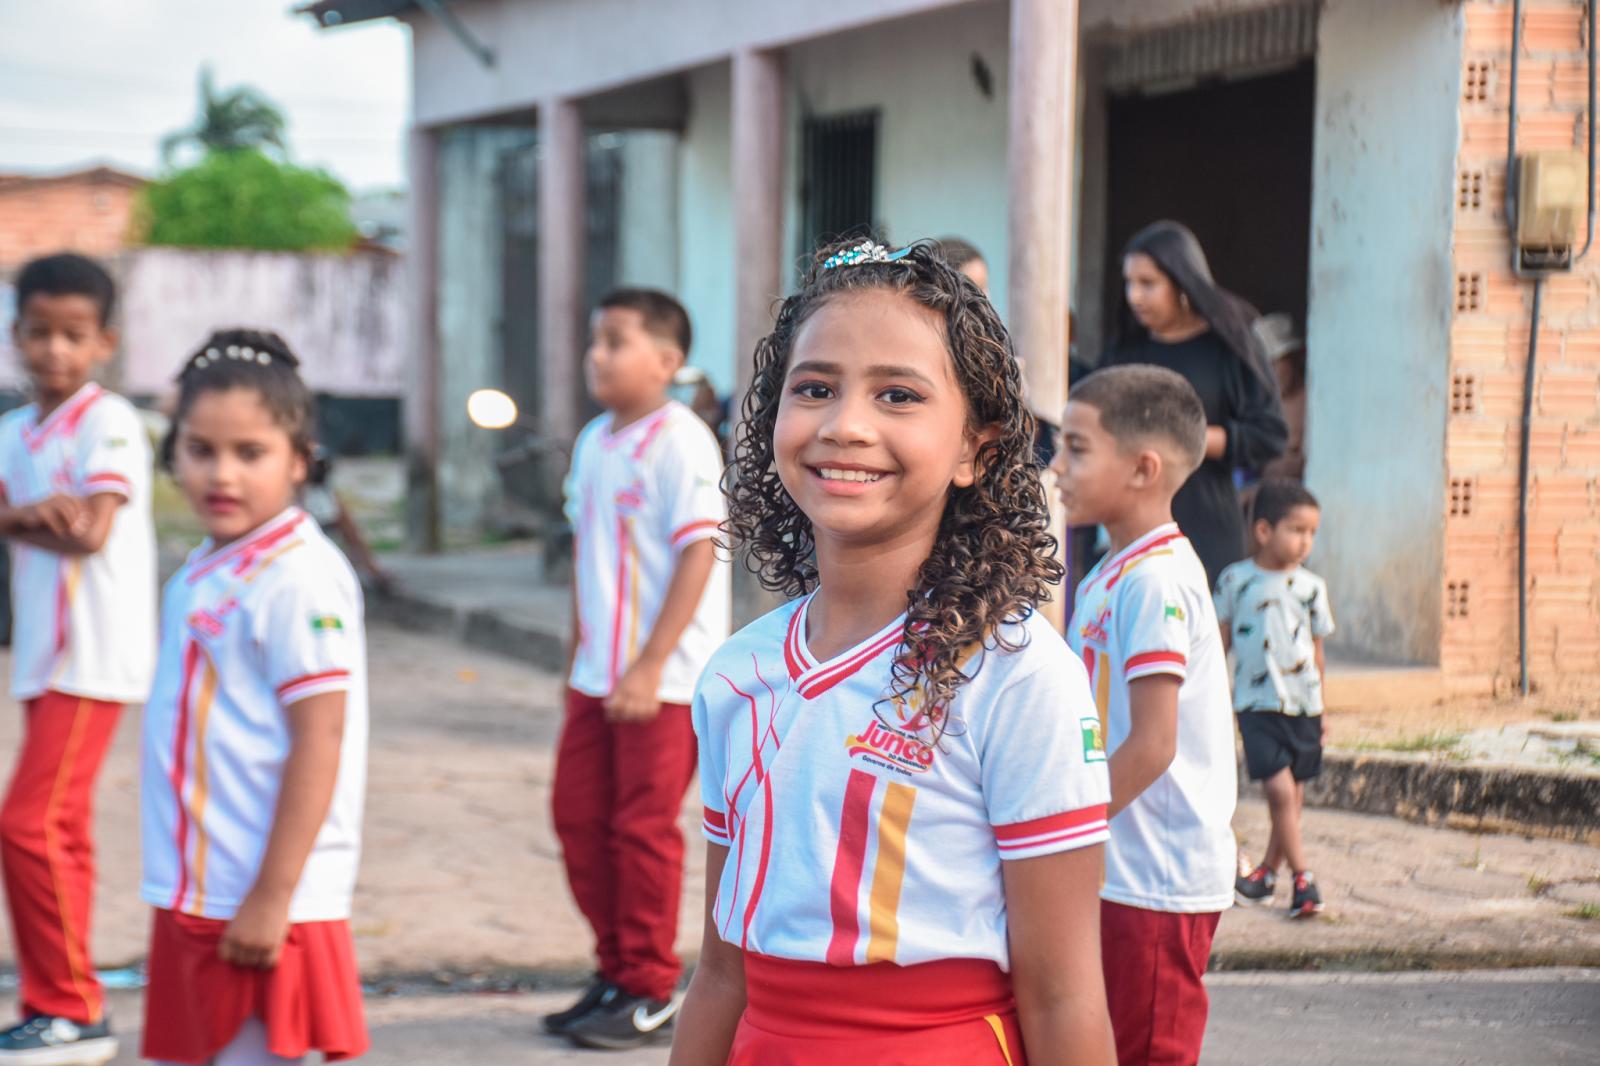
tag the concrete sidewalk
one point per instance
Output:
(461, 882)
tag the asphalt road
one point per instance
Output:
(1510, 1018)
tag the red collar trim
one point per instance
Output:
(813, 679)
(247, 548)
(63, 419)
(1158, 537)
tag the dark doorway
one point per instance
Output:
(838, 172)
(1232, 161)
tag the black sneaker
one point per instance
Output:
(599, 992)
(47, 1041)
(624, 1023)
(1255, 887)
(1307, 900)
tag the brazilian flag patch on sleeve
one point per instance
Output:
(1094, 742)
(326, 623)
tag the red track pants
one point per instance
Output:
(1154, 961)
(618, 789)
(47, 850)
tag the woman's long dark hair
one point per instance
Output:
(1177, 254)
(993, 557)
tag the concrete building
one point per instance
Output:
(1342, 160)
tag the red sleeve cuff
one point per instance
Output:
(1156, 662)
(1050, 830)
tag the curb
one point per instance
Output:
(1496, 799)
(478, 628)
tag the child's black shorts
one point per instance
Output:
(1273, 741)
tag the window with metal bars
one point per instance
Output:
(839, 161)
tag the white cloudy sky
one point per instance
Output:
(103, 80)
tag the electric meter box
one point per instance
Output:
(1551, 200)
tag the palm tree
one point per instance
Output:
(239, 118)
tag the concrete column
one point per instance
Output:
(758, 136)
(562, 266)
(1040, 164)
(1044, 52)
(422, 407)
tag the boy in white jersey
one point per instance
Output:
(75, 503)
(1144, 625)
(255, 737)
(1275, 615)
(651, 602)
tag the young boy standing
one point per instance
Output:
(75, 504)
(1145, 626)
(651, 602)
(1275, 615)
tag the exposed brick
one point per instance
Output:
(1499, 393)
(1581, 348)
(1547, 129)
(1504, 293)
(1578, 549)
(1483, 136)
(1482, 342)
(85, 215)
(1483, 244)
(1582, 448)
(1495, 495)
(1570, 496)
(1552, 344)
(1544, 445)
(1488, 28)
(1569, 393)
(1552, 28)
(1565, 294)
(1475, 445)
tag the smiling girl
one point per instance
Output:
(903, 786)
(255, 737)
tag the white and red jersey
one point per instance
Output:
(851, 839)
(635, 499)
(249, 629)
(85, 624)
(1146, 610)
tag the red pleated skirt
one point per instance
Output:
(953, 1012)
(195, 1002)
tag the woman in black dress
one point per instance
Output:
(1174, 315)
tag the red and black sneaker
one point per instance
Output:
(1255, 887)
(1307, 900)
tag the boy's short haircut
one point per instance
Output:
(958, 252)
(67, 274)
(1139, 403)
(664, 318)
(1276, 497)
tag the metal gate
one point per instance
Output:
(839, 161)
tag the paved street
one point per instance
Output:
(1517, 1018)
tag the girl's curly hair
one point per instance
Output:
(993, 556)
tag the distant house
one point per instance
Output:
(84, 211)
(1342, 160)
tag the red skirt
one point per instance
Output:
(195, 1002)
(954, 1012)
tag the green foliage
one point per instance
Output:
(242, 199)
(242, 117)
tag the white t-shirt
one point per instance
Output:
(1275, 617)
(247, 630)
(1145, 611)
(635, 499)
(851, 841)
(85, 624)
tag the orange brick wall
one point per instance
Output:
(1488, 361)
(85, 216)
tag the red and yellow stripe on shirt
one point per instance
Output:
(856, 825)
(189, 766)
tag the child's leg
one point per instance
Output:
(1284, 796)
(655, 762)
(582, 800)
(47, 849)
(249, 1048)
